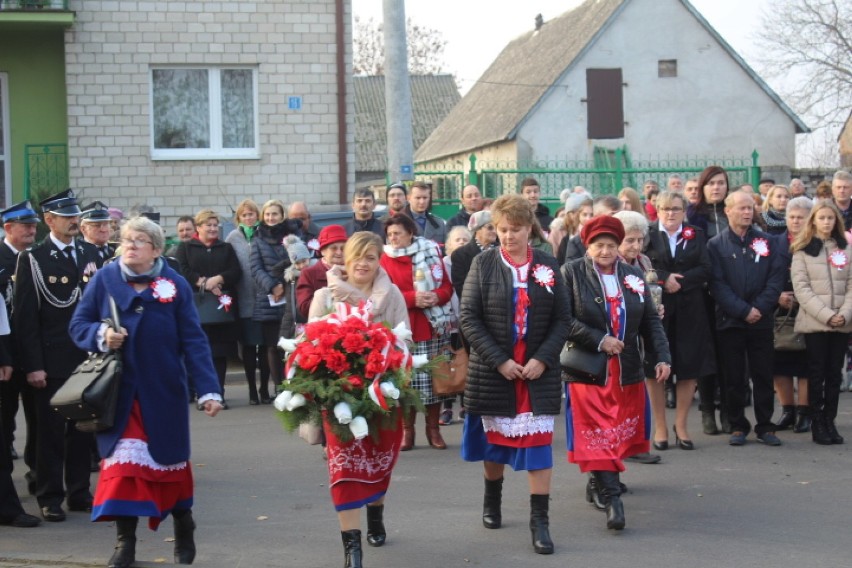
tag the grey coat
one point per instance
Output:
(245, 287)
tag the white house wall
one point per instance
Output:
(712, 108)
(110, 51)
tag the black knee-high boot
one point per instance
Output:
(492, 517)
(376, 533)
(125, 546)
(351, 548)
(184, 536)
(593, 494)
(609, 486)
(540, 524)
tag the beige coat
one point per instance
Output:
(822, 290)
(388, 304)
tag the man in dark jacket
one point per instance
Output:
(363, 218)
(747, 279)
(428, 225)
(471, 201)
(48, 284)
(531, 190)
(19, 223)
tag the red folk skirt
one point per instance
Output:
(359, 471)
(132, 484)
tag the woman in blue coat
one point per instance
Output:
(146, 469)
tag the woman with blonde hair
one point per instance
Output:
(630, 200)
(515, 317)
(822, 282)
(774, 209)
(360, 470)
(210, 264)
(252, 354)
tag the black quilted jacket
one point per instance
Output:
(487, 313)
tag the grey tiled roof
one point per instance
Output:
(516, 81)
(432, 98)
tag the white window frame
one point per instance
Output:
(216, 151)
(7, 137)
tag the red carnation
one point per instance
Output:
(309, 357)
(355, 381)
(336, 362)
(354, 343)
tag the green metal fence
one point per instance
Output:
(606, 173)
(34, 5)
(46, 169)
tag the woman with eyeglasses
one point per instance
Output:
(146, 470)
(210, 264)
(678, 253)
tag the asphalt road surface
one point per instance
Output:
(262, 500)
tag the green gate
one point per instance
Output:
(46, 170)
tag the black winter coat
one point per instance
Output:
(461, 259)
(487, 315)
(269, 260)
(687, 326)
(590, 322)
(571, 248)
(738, 283)
(197, 260)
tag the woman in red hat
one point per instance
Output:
(606, 416)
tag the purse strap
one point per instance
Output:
(113, 311)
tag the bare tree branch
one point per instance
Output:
(425, 48)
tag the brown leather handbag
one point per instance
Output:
(449, 377)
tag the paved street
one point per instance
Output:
(262, 500)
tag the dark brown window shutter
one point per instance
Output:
(605, 103)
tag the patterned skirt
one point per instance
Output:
(359, 471)
(606, 424)
(422, 380)
(132, 484)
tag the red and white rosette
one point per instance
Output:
(688, 233)
(437, 273)
(760, 248)
(838, 259)
(225, 302)
(543, 276)
(164, 289)
(635, 285)
(314, 245)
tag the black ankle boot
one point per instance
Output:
(819, 432)
(803, 419)
(351, 548)
(832, 432)
(610, 487)
(184, 536)
(125, 546)
(593, 496)
(540, 524)
(491, 515)
(788, 417)
(708, 422)
(376, 534)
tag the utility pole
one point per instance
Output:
(397, 93)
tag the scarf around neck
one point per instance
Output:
(426, 259)
(130, 276)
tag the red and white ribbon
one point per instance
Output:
(838, 259)
(543, 276)
(760, 248)
(635, 285)
(164, 289)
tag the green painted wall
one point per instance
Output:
(34, 61)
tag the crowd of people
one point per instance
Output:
(734, 295)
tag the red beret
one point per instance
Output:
(331, 234)
(602, 225)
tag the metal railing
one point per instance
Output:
(46, 170)
(33, 5)
(607, 173)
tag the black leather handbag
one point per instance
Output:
(90, 395)
(210, 311)
(582, 365)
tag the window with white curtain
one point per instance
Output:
(202, 113)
